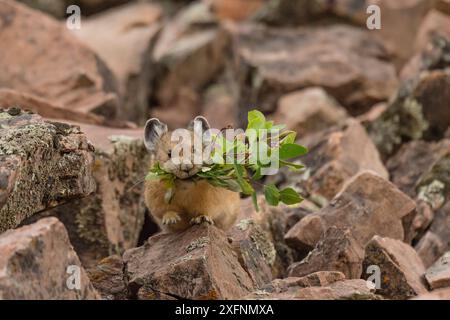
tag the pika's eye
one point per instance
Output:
(169, 153)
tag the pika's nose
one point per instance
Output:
(186, 166)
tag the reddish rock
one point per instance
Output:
(336, 155)
(435, 22)
(435, 241)
(438, 275)
(368, 205)
(42, 165)
(338, 58)
(356, 289)
(442, 294)
(108, 278)
(124, 38)
(337, 251)
(188, 55)
(199, 265)
(37, 262)
(308, 111)
(45, 60)
(236, 10)
(401, 268)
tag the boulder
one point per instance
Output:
(236, 10)
(308, 111)
(45, 60)
(42, 165)
(199, 265)
(435, 22)
(336, 251)
(347, 62)
(56, 8)
(38, 263)
(188, 55)
(401, 268)
(108, 278)
(123, 38)
(442, 294)
(110, 220)
(335, 155)
(435, 242)
(368, 205)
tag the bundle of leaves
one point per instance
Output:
(236, 163)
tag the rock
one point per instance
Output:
(317, 279)
(336, 251)
(42, 165)
(335, 155)
(435, 22)
(199, 265)
(442, 294)
(412, 160)
(438, 275)
(435, 241)
(236, 10)
(56, 8)
(108, 278)
(123, 38)
(110, 220)
(89, 7)
(401, 268)
(419, 109)
(368, 205)
(443, 6)
(356, 289)
(38, 263)
(308, 111)
(271, 62)
(188, 55)
(44, 60)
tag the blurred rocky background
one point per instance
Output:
(373, 106)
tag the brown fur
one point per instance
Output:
(193, 202)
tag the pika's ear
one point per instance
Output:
(205, 124)
(154, 129)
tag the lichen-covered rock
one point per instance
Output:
(271, 62)
(188, 55)
(335, 155)
(336, 251)
(435, 22)
(368, 205)
(108, 278)
(254, 248)
(198, 264)
(435, 242)
(109, 221)
(420, 108)
(401, 268)
(44, 59)
(42, 165)
(308, 111)
(38, 262)
(124, 38)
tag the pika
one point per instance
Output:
(193, 202)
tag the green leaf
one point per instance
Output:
(291, 150)
(289, 196)
(272, 194)
(246, 187)
(291, 164)
(152, 176)
(289, 137)
(256, 115)
(255, 201)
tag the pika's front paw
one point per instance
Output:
(202, 219)
(170, 217)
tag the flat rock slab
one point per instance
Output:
(108, 278)
(438, 275)
(340, 59)
(45, 60)
(198, 264)
(401, 268)
(37, 262)
(42, 164)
